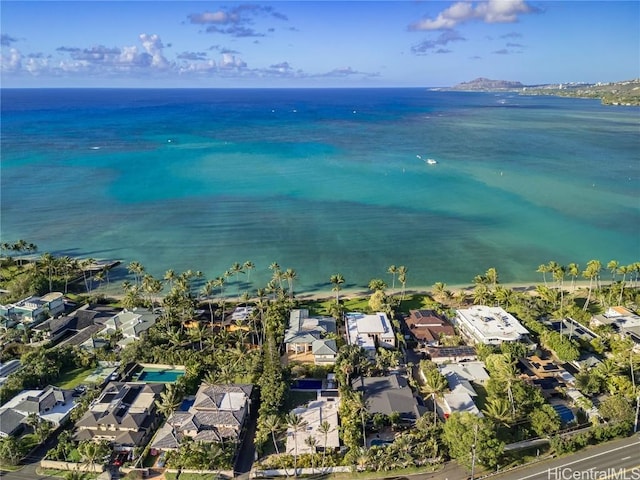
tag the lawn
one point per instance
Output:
(73, 378)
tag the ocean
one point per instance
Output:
(322, 181)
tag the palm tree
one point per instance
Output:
(377, 284)
(297, 424)
(402, 278)
(248, 266)
(207, 292)
(543, 269)
(559, 273)
(337, 280)
(274, 425)
(434, 384)
(393, 270)
(499, 410)
(137, 270)
(481, 294)
(613, 266)
(360, 405)
(49, 263)
(439, 290)
(492, 277)
(592, 272)
(623, 270)
(312, 443)
(169, 400)
(324, 429)
(290, 275)
(573, 269)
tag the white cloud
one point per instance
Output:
(153, 45)
(491, 11)
(11, 62)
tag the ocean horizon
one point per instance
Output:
(322, 181)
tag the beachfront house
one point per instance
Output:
(131, 324)
(306, 338)
(489, 325)
(34, 309)
(370, 331)
(622, 320)
(427, 327)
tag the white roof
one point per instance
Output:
(461, 401)
(470, 371)
(317, 412)
(491, 323)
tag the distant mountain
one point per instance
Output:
(626, 92)
(482, 84)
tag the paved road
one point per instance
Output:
(618, 460)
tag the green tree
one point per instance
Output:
(545, 420)
(434, 384)
(464, 431)
(337, 280)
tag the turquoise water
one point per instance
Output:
(160, 376)
(322, 181)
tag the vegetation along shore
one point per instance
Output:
(388, 377)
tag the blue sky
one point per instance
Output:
(315, 43)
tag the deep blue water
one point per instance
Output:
(322, 181)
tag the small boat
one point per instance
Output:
(430, 161)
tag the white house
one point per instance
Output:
(312, 416)
(370, 331)
(489, 325)
(33, 308)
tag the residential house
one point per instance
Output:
(489, 325)
(452, 354)
(427, 327)
(370, 331)
(307, 335)
(34, 309)
(51, 404)
(76, 328)
(389, 394)
(124, 414)
(312, 417)
(131, 324)
(460, 378)
(219, 414)
(623, 321)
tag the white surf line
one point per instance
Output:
(560, 467)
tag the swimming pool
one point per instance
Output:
(307, 384)
(150, 375)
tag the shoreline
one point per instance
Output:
(361, 292)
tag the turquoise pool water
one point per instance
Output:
(160, 376)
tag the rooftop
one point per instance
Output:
(490, 324)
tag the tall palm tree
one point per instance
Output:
(290, 275)
(434, 384)
(573, 269)
(492, 277)
(613, 266)
(393, 270)
(402, 278)
(248, 266)
(337, 280)
(543, 269)
(273, 423)
(48, 262)
(592, 272)
(296, 424)
(312, 443)
(324, 428)
(137, 270)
